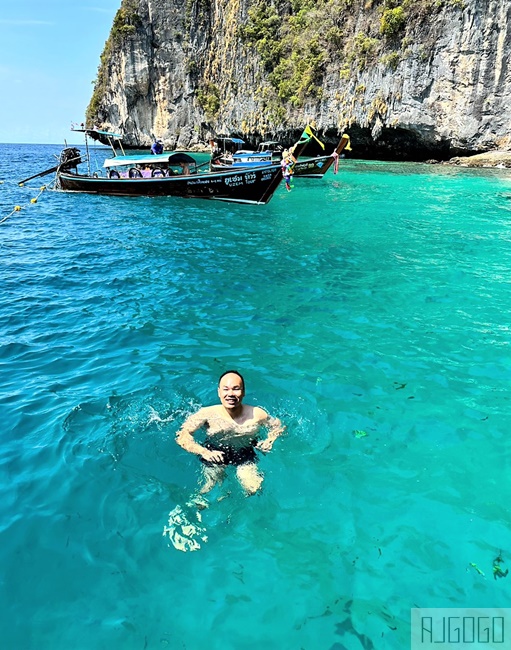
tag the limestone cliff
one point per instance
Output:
(408, 79)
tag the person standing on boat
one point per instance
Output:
(216, 152)
(157, 147)
(232, 435)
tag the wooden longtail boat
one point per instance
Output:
(228, 154)
(308, 167)
(318, 167)
(240, 186)
(127, 176)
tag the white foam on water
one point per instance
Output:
(182, 533)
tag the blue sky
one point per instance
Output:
(49, 57)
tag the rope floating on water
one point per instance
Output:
(18, 208)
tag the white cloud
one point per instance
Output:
(101, 10)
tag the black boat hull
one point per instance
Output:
(313, 167)
(239, 186)
(318, 167)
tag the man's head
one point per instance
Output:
(231, 389)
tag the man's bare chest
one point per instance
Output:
(231, 428)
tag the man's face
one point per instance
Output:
(231, 391)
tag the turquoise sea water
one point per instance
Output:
(374, 301)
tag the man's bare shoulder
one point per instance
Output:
(207, 412)
(201, 416)
(259, 414)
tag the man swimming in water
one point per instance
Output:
(232, 432)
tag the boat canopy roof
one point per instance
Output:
(229, 139)
(94, 133)
(150, 159)
(254, 154)
(181, 157)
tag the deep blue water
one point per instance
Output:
(374, 301)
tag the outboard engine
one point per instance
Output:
(69, 159)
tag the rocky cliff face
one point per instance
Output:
(407, 79)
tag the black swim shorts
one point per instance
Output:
(232, 455)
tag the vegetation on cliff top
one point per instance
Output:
(125, 24)
(297, 40)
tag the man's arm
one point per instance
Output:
(275, 429)
(184, 437)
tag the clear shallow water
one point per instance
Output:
(376, 300)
